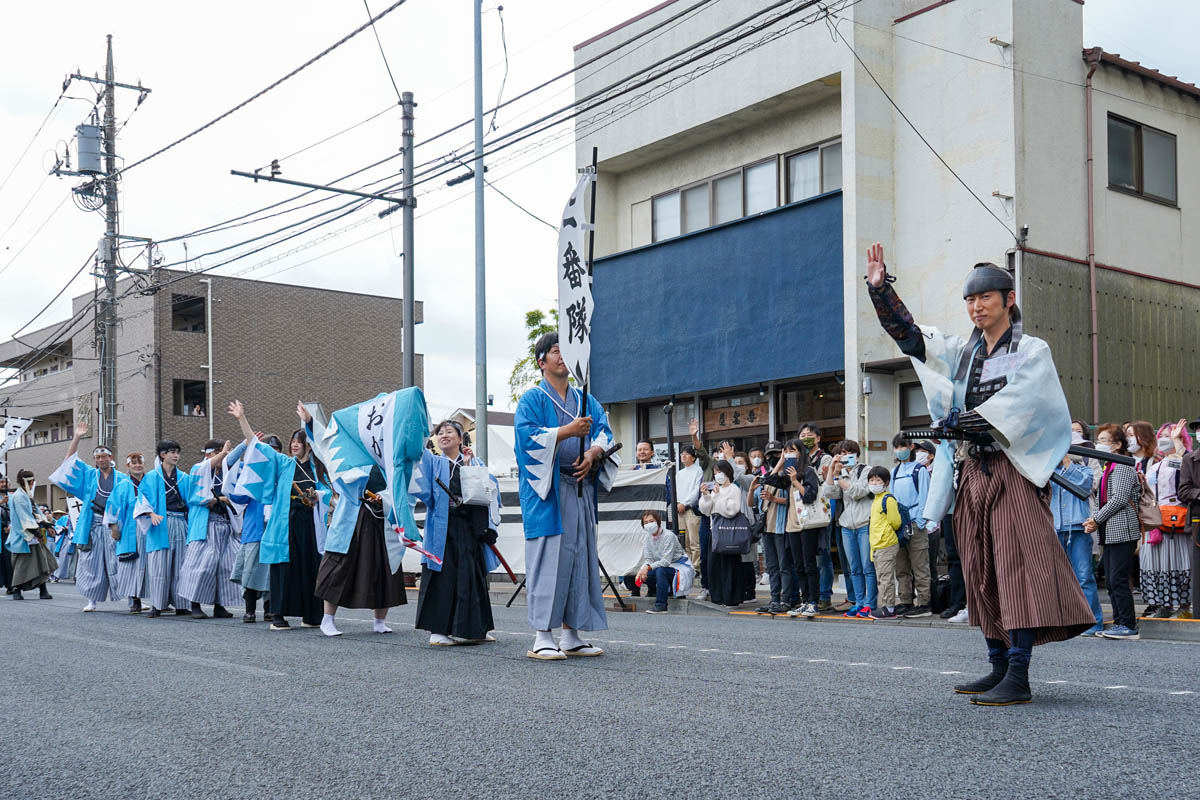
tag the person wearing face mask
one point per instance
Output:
(801, 486)
(846, 482)
(1141, 443)
(1117, 522)
(724, 453)
(724, 498)
(910, 486)
(96, 573)
(131, 543)
(1070, 514)
(32, 561)
(665, 569)
(161, 509)
(1188, 491)
(741, 464)
(885, 542)
(1165, 559)
(819, 460)
(772, 505)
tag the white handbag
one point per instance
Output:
(478, 489)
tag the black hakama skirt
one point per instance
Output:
(725, 579)
(294, 582)
(455, 601)
(362, 576)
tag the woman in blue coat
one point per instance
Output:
(32, 561)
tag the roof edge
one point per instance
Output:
(1094, 54)
(626, 23)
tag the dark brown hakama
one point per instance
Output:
(31, 570)
(1016, 571)
(362, 576)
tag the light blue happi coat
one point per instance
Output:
(536, 447)
(267, 477)
(388, 431)
(22, 521)
(76, 478)
(120, 511)
(152, 498)
(424, 487)
(200, 494)
(1029, 417)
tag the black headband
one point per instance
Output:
(986, 277)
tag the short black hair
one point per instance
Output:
(812, 426)
(849, 446)
(687, 448)
(214, 444)
(541, 348)
(880, 472)
(900, 439)
(272, 441)
(641, 442)
(167, 445)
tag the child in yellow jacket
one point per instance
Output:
(885, 544)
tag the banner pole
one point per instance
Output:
(583, 407)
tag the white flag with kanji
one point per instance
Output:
(13, 428)
(575, 284)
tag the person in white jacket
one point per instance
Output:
(724, 498)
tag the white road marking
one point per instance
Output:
(1055, 681)
(710, 650)
(647, 644)
(148, 651)
(817, 660)
(950, 672)
(858, 664)
(1182, 692)
(1118, 686)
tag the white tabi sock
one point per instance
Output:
(569, 639)
(381, 627)
(543, 639)
(327, 626)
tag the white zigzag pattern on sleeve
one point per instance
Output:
(542, 472)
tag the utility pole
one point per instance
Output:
(408, 356)
(108, 356)
(106, 182)
(481, 394)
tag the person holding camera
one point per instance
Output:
(32, 561)
(846, 482)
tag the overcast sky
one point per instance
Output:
(200, 60)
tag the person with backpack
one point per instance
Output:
(1116, 519)
(910, 486)
(887, 526)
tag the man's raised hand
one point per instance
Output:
(876, 269)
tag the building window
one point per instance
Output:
(652, 422)
(814, 171)
(823, 403)
(1141, 160)
(727, 198)
(762, 192)
(914, 410)
(695, 208)
(190, 399)
(666, 216)
(187, 313)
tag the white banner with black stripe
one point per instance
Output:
(619, 532)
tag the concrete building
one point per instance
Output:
(271, 345)
(737, 196)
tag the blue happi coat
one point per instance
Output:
(254, 513)
(201, 494)
(152, 497)
(536, 445)
(120, 510)
(81, 480)
(424, 487)
(266, 477)
(22, 519)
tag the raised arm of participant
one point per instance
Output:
(80, 431)
(238, 412)
(893, 315)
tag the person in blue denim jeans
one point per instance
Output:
(1069, 515)
(846, 482)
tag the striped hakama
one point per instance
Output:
(66, 555)
(131, 574)
(209, 562)
(563, 572)
(96, 572)
(1016, 571)
(248, 571)
(163, 566)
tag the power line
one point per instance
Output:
(66, 285)
(921, 136)
(503, 80)
(33, 138)
(262, 92)
(379, 42)
(29, 241)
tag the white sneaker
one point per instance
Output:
(703, 595)
(797, 611)
(440, 640)
(329, 629)
(765, 580)
(91, 606)
(959, 617)
(809, 610)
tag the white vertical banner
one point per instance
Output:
(575, 284)
(13, 428)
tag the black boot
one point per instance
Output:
(220, 612)
(44, 594)
(1011, 691)
(998, 655)
(154, 613)
(198, 612)
(16, 594)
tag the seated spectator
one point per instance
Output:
(885, 541)
(847, 482)
(665, 569)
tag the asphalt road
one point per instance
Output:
(117, 706)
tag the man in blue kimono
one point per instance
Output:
(561, 562)
(96, 573)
